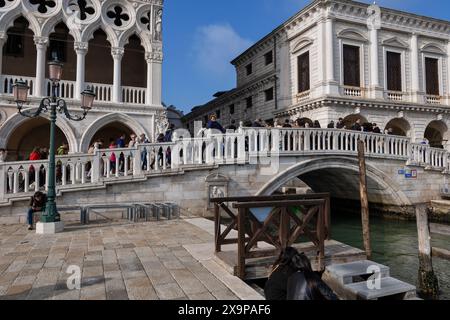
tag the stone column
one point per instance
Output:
(375, 88)
(321, 52)
(415, 83)
(154, 78)
(117, 54)
(81, 48)
(41, 49)
(332, 85)
(3, 38)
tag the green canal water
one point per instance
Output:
(394, 243)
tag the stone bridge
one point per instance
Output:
(249, 161)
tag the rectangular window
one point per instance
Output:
(231, 108)
(249, 69)
(352, 76)
(249, 102)
(394, 71)
(268, 58)
(268, 94)
(303, 72)
(432, 76)
(218, 114)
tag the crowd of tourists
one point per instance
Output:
(357, 125)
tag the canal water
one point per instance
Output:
(394, 243)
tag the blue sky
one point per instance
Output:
(201, 37)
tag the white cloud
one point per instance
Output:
(216, 45)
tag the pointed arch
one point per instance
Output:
(145, 39)
(49, 27)
(88, 33)
(7, 21)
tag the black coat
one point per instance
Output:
(38, 201)
(285, 283)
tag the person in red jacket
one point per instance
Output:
(34, 156)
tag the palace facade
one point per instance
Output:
(112, 46)
(341, 58)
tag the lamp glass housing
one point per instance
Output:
(55, 69)
(87, 99)
(20, 91)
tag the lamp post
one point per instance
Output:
(53, 105)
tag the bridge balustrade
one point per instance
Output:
(20, 179)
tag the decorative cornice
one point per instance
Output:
(332, 101)
(154, 56)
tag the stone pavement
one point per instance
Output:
(117, 261)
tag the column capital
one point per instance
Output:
(81, 47)
(154, 56)
(117, 52)
(41, 42)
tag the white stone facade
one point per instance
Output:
(322, 28)
(137, 108)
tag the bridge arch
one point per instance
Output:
(339, 176)
(108, 119)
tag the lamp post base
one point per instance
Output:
(49, 227)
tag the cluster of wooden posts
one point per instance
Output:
(280, 228)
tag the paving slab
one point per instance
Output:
(117, 261)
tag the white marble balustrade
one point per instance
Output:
(243, 146)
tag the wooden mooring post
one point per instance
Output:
(364, 199)
(428, 282)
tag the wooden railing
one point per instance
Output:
(285, 220)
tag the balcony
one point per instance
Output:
(395, 95)
(67, 90)
(353, 91)
(433, 99)
(303, 96)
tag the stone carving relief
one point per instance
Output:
(217, 187)
(82, 9)
(43, 6)
(158, 24)
(161, 122)
(118, 15)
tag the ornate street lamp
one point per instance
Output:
(53, 105)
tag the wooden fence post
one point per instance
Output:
(364, 199)
(241, 243)
(217, 227)
(428, 282)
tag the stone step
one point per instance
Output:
(354, 272)
(390, 288)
